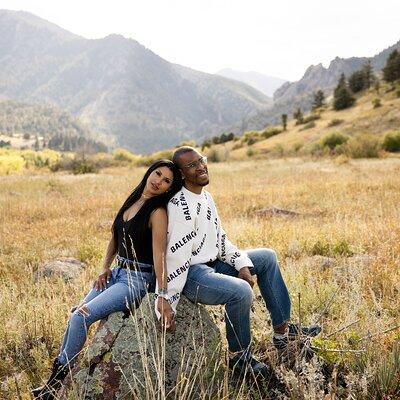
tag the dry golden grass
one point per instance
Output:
(349, 208)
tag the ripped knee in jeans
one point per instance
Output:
(82, 309)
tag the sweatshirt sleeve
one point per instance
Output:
(180, 238)
(227, 251)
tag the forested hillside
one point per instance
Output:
(44, 127)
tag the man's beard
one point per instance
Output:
(204, 183)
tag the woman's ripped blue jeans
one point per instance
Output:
(125, 290)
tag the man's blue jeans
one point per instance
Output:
(124, 290)
(220, 285)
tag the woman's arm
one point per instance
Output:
(101, 282)
(159, 225)
(110, 253)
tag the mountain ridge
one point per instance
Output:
(117, 86)
(262, 82)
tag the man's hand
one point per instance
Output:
(101, 282)
(167, 314)
(244, 273)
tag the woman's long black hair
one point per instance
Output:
(154, 202)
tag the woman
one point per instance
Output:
(138, 241)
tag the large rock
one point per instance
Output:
(127, 356)
(66, 268)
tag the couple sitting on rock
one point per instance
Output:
(167, 237)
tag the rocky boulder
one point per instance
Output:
(131, 358)
(66, 268)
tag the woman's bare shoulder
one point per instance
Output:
(159, 215)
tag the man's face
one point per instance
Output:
(194, 169)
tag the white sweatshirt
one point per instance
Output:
(195, 236)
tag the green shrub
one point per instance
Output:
(310, 118)
(125, 156)
(251, 137)
(278, 150)
(398, 93)
(335, 122)
(297, 146)
(391, 141)
(83, 166)
(4, 143)
(309, 125)
(250, 152)
(331, 140)
(376, 103)
(10, 163)
(329, 249)
(103, 160)
(214, 156)
(237, 145)
(65, 163)
(269, 132)
(41, 159)
(362, 146)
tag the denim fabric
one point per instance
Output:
(124, 291)
(219, 285)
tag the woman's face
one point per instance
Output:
(158, 182)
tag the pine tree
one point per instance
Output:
(37, 145)
(284, 121)
(357, 81)
(369, 76)
(342, 97)
(391, 71)
(298, 116)
(319, 99)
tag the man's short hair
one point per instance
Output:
(179, 152)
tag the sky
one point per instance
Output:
(279, 38)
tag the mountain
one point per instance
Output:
(264, 83)
(318, 77)
(116, 86)
(300, 94)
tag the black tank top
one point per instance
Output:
(130, 240)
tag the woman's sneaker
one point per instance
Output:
(49, 390)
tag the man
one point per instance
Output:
(207, 268)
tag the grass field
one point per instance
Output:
(348, 211)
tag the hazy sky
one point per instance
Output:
(279, 38)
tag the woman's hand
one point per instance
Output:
(101, 282)
(167, 314)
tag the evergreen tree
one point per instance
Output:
(284, 121)
(319, 99)
(342, 97)
(357, 81)
(223, 138)
(377, 86)
(298, 116)
(369, 76)
(206, 143)
(215, 140)
(231, 136)
(37, 145)
(391, 71)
